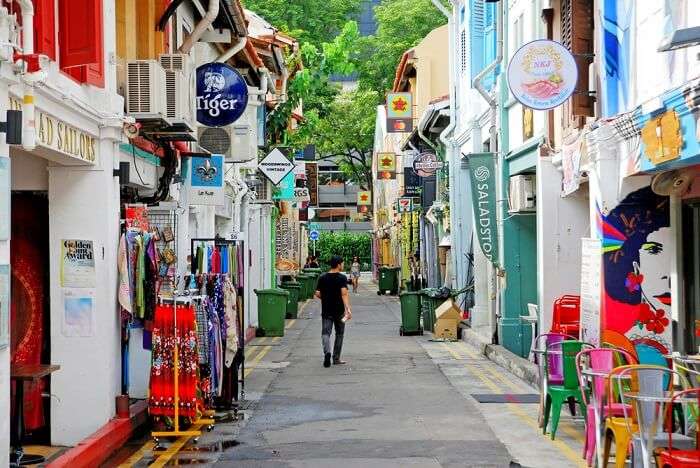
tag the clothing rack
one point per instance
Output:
(220, 241)
(176, 432)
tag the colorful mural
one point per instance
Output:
(636, 235)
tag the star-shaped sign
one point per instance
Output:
(399, 105)
(386, 162)
(364, 197)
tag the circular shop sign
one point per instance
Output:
(542, 74)
(426, 164)
(222, 95)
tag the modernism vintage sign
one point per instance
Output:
(483, 178)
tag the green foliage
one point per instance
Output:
(347, 245)
(309, 21)
(401, 24)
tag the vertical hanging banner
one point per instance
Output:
(386, 166)
(399, 113)
(312, 182)
(207, 181)
(286, 262)
(591, 275)
(483, 178)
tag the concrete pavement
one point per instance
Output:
(399, 402)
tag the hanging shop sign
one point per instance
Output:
(411, 183)
(363, 209)
(207, 181)
(542, 74)
(286, 233)
(426, 164)
(276, 166)
(662, 138)
(591, 273)
(364, 198)
(386, 166)
(285, 189)
(405, 205)
(301, 194)
(399, 113)
(483, 178)
(300, 169)
(312, 183)
(222, 94)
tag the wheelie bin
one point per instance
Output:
(272, 307)
(428, 305)
(314, 273)
(388, 280)
(305, 281)
(293, 300)
(410, 313)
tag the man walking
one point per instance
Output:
(332, 289)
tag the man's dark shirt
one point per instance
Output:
(331, 285)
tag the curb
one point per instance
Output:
(516, 365)
(98, 447)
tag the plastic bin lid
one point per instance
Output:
(277, 292)
(304, 275)
(410, 293)
(291, 285)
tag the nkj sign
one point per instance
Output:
(483, 178)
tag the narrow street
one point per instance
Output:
(399, 402)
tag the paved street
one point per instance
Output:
(399, 402)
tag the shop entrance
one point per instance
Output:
(30, 326)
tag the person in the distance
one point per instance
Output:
(332, 290)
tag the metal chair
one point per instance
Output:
(670, 456)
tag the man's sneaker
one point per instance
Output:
(338, 362)
(327, 360)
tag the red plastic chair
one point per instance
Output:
(669, 457)
(566, 317)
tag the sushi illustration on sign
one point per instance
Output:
(542, 74)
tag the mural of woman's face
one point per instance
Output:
(654, 258)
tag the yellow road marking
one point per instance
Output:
(250, 367)
(290, 323)
(165, 457)
(138, 455)
(570, 453)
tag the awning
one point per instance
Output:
(434, 120)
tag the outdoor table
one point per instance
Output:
(540, 356)
(20, 374)
(659, 402)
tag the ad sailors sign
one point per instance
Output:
(222, 95)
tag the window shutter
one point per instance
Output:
(490, 43)
(80, 32)
(45, 28)
(577, 36)
(476, 36)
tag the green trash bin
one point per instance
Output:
(272, 307)
(314, 273)
(410, 313)
(293, 300)
(388, 280)
(428, 306)
(305, 281)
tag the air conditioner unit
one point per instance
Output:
(522, 194)
(178, 108)
(236, 142)
(244, 145)
(176, 62)
(145, 82)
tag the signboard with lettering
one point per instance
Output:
(483, 178)
(286, 241)
(399, 113)
(275, 166)
(59, 136)
(222, 94)
(312, 182)
(426, 164)
(207, 181)
(411, 183)
(591, 272)
(405, 205)
(542, 74)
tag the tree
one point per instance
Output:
(309, 21)
(401, 24)
(345, 134)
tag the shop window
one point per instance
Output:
(577, 36)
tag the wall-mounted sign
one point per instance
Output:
(386, 162)
(411, 183)
(285, 189)
(542, 74)
(312, 183)
(364, 198)
(77, 264)
(275, 166)
(662, 138)
(483, 178)
(301, 194)
(426, 164)
(207, 181)
(399, 113)
(405, 205)
(222, 94)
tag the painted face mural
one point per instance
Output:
(636, 267)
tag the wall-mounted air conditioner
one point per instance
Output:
(145, 82)
(522, 194)
(178, 91)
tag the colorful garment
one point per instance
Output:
(125, 294)
(161, 401)
(232, 325)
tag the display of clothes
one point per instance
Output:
(138, 264)
(162, 382)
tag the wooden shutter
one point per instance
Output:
(577, 36)
(45, 28)
(476, 36)
(80, 32)
(490, 43)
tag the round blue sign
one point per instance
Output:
(313, 235)
(222, 94)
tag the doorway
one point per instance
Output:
(30, 326)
